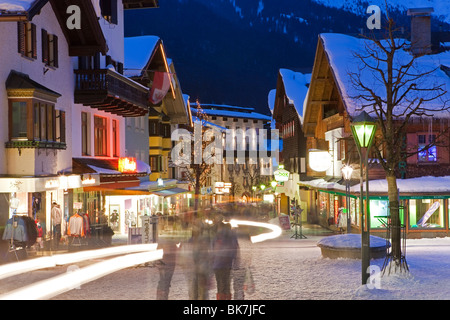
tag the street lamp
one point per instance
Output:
(254, 189)
(275, 203)
(363, 130)
(347, 173)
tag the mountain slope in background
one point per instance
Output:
(230, 51)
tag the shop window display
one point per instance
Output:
(378, 213)
(426, 213)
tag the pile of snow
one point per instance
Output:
(350, 241)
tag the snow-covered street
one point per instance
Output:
(283, 269)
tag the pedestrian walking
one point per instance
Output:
(56, 223)
(166, 267)
(225, 248)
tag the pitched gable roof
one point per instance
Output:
(340, 49)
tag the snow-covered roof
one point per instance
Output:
(138, 51)
(271, 99)
(340, 51)
(209, 124)
(420, 185)
(16, 5)
(296, 89)
(231, 111)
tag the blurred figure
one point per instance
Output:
(225, 248)
(166, 268)
(196, 253)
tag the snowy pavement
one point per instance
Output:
(283, 269)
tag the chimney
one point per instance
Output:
(420, 30)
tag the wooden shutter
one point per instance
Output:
(55, 51)
(21, 37)
(45, 53)
(33, 41)
(62, 126)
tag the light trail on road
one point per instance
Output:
(75, 277)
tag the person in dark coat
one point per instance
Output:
(225, 248)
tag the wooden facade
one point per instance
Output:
(325, 112)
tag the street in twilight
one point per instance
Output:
(204, 150)
(284, 268)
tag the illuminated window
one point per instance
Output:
(100, 136)
(427, 154)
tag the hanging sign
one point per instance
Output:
(281, 174)
(127, 165)
(160, 87)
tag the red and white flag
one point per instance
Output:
(160, 87)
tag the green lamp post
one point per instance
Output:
(363, 129)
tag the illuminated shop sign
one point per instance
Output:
(281, 174)
(222, 187)
(127, 165)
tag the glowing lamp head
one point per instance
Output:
(363, 130)
(347, 172)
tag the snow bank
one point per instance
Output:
(350, 241)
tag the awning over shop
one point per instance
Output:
(169, 192)
(408, 188)
(112, 175)
(40, 184)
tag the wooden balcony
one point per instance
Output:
(111, 92)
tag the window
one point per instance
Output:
(84, 134)
(100, 136)
(153, 128)
(427, 154)
(115, 134)
(155, 163)
(426, 213)
(49, 49)
(19, 120)
(36, 121)
(166, 130)
(27, 42)
(109, 10)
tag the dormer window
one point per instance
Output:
(109, 10)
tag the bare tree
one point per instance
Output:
(196, 162)
(393, 86)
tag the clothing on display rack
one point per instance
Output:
(76, 226)
(21, 232)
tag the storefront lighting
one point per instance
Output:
(319, 160)
(127, 165)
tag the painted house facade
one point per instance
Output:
(287, 101)
(67, 101)
(240, 177)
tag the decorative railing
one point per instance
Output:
(35, 144)
(91, 86)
